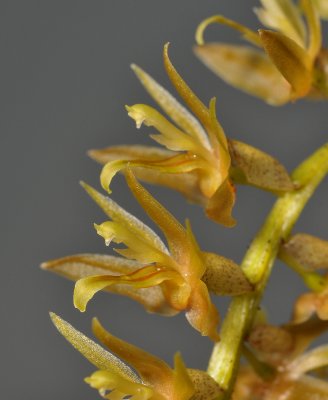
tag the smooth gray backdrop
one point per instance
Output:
(65, 79)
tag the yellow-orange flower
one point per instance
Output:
(200, 162)
(292, 65)
(180, 275)
(154, 379)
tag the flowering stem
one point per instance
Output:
(257, 266)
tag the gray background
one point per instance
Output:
(65, 78)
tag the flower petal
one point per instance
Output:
(145, 277)
(313, 20)
(247, 34)
(119, 387)
(247, 69)
(309, 304)
(254, 167)
(80, 266)
(291, 60)
(223, 276)
(283, 16)
(183, 386)
(202, 314)
(306, 252)
(99, 357)
(179, 114)
(125, 219)
(220, 205)
(309, 361)
(152, 370)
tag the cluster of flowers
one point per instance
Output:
(200, 162)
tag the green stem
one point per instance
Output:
(257, 266)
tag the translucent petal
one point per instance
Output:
(309, 361)
(246, 69)
(220, 205)
(183, 386)
(291, 60)
(145, 277)
(119, 387)
(309, 304)
(202, 314)
(247, 34)
(305, 251)
(117, 213)
(179, 114)
(284, 16)
(80, 266)
(254, 167)
(94, 353)
(223, 276)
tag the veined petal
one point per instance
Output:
(118, 214)
(174, 232)
(305, 252)
(223, 276)
(291, 60)
(247, 34)
(202, 314)
(131, 152)
(152, 370)
(220, 205)
(119, 387)
(145, 277)
(247, 69)
(254, 167)
(179, 114)
(171, 137)
(80, 266)
(94, 353)
(314, 25)
(284, 16)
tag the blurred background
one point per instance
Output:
(65, 80)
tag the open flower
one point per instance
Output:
(181, 273)
(290, 63)
(280, 363)
(199, 161)
(154, 380)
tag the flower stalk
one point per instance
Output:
(257, 266)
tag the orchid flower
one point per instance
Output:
(180, 275)
(199, 161)
(289, 62)
(154, 380)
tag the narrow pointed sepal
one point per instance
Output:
(255, 167)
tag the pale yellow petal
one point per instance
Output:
(223, 276)
(179, 114)
(314, 27)
(253, 166)
(183, 387)
(309, 361)
(146, 277)
(247, 34)
(94, 353)
(292, 61)
(118, 214)
(283, 16)
(119, 387)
